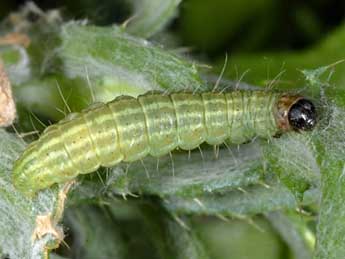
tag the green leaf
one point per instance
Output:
(238, 239)
(331, 227)
(189, 176)
(87, 242)
(21, 235)
(173, 238)
(241, 203)
(118, 61)
(292, 157)
(295, 232)
(96, 64)
(150, 16)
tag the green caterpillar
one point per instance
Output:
(127, 129)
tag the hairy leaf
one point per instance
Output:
(28, 226)
(150, 16)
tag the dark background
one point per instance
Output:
(213, 27)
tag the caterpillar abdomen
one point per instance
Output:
(128, 129)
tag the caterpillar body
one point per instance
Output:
(128, 128)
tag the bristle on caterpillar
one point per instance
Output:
(128, 129)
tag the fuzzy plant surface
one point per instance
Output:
(291, 187)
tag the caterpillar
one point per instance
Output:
(127, 129)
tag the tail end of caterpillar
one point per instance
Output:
(22, 183)
(26, 172)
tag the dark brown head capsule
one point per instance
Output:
(302, 115)
(296, 113)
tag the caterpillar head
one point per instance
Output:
(296, 113)
(302, 115)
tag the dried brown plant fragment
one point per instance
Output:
(7, 105)
(46, 225)
(15, 38)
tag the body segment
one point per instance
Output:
(128, 129)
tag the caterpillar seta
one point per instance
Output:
(127, 129)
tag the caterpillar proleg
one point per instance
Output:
(127, 129)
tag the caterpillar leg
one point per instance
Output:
(157, 165)
(201, 154)
(145, 168)
(172, 164)
(216, 151)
